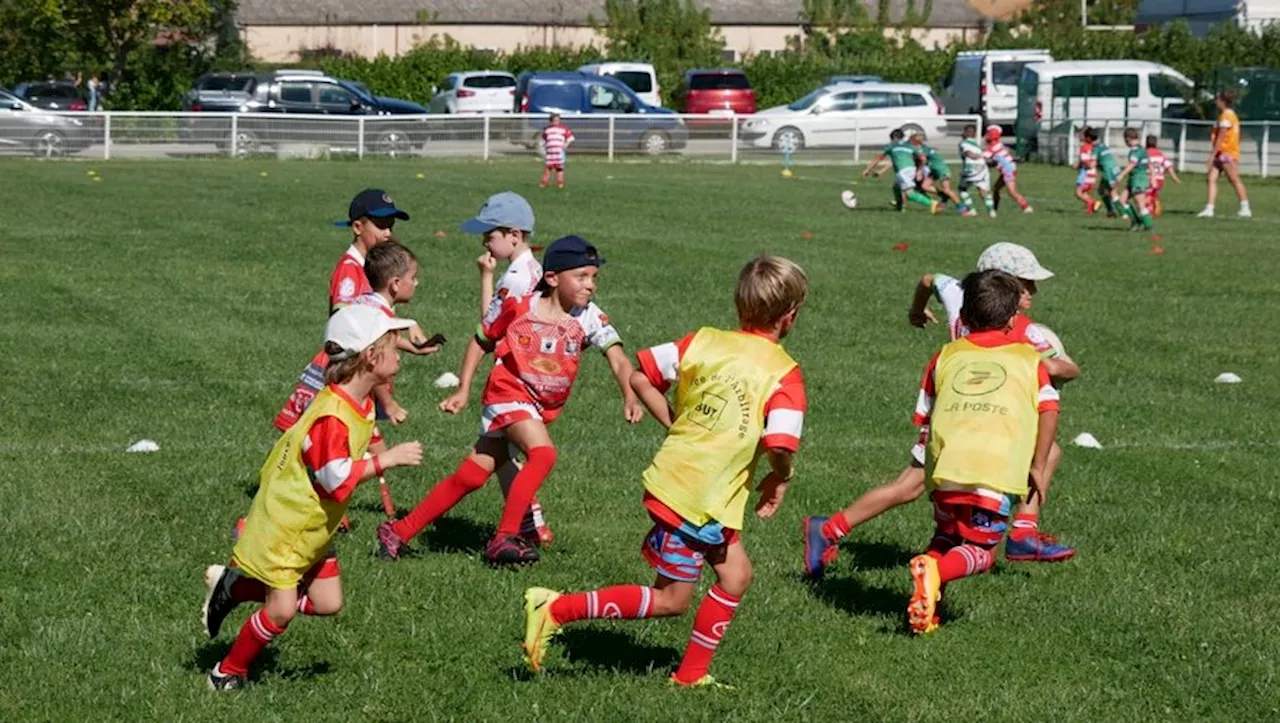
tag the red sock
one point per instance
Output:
(540, 462)
(305, 606)
(621, 602)
(963, 561)
(1025, 524)
(940, 545)
(835, 528)
(709, 626)
(468, 478)
(254, 635)
(246, 589)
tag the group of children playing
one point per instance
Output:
(738, 396)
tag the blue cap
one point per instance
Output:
(568, 252)
(372, 203)
(503, 210)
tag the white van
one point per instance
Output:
(1098, 92)
(985, 83)
(641, 78)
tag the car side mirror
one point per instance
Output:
(15, 105)
(817, 110)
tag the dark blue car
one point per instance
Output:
(585, 101)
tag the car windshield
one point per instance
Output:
(489, 81)
(807, 101)
(360, 89)
(237, 83)
(719, 81)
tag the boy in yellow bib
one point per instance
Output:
(738, 393)
(992, 413)
(283, 557)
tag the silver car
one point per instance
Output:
(27, 129)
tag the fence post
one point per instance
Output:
(1266, 146)
(235, 134)
(486, 136)
(360, 137)
(106, 136)
(857, 140)
(733, 137)
(611, 119)
(1182, 147)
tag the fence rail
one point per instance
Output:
(811, 138)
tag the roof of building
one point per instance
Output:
(945, 13)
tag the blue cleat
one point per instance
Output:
(818, 552)
(1037, 547)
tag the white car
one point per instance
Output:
(475, 91)
(641, 78)
(846, 114)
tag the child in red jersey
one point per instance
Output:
(998, 156)
(1158, 166)
(556, 139)
(540, 338)
(1087, 172)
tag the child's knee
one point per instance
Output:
(672, 600)
(735, 579)
(544, 457)
(327, 606)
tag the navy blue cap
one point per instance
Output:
(372, 203)
(568, 252)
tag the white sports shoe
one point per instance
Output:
(1207, 213)
(1244, 213)
(1028, 209)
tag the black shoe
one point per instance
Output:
(218, 603)
(218, 681)
(510, 550)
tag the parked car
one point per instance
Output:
(474, 91)
(1097, 91)
(584, 101)
(390, 106)
(985, 83)
(51, 95)
(719, 91)
(25, 128)
(641, 78)
(846, 114)
(854, 79)
(288, 92)
(217, 88)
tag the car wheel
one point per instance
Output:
(49, 144)
(394, 143)
(788, 135)
(911, 129)
(244, 143)
(655, 143)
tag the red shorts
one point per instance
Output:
(973, 518)
(555, 166)
(671, 549)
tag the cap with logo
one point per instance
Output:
(372, 203)
(568, 252)
(502, 210)
(1013, 259)
(356, 327)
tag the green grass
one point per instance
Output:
(177, 301)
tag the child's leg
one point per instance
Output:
(1026, 543)
(546, 176)
(948, 193)
(1018, 198)
(1141, 211)
(257, 632)
(961, 547)
(532, 525)
(467, 478)
(540, 458)
(733, 577)
(560, 177)
(898, 200)
(320, 593)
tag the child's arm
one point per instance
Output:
(653, 399)
(328, 459)
(409, 344)
(920, 315)
(1125, 172)
(1062, 370)
(1173, 174)
(396, 413)
(774, 486)
(457, 401)
(620, 363)
(487, 264)
(1048, 429)
(874, 162)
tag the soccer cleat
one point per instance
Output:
(934, 207)
(1244, 212)
(510, 550)
(390, 546)
(218, 602)
(1094, 208)
(969, 213)
(220, 682)
(539, 626)
(1028, 209)
(818, 552)
(705, 681)
(1206, 213)
(1037, 547)
(992, 213)
(926, 584)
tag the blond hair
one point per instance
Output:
(341, 372)
(769, 287)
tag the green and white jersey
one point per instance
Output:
(938, 167)
(902, 154)
(972, 164)
(1138, 177)
(1108, 167)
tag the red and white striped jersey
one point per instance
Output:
(555, 139)
(784, 410)
(1157, 165)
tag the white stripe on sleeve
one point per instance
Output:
(332, 475)
(784, 421)
(924, 404)
(1048, 394)
(667, 357)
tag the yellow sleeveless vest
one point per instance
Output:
(982, 432)
(289, 526)
(704, 468)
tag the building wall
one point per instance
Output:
(281, 43)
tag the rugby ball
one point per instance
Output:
(849, 200)
(1059, 351)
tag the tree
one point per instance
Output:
(112, 30)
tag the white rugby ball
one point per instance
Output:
(848, 199)
(1059, 351)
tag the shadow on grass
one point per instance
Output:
(877, 555)
(209, 654)
(855, 598)
(454, 534)
(603, 649)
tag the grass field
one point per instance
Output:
(177, 301)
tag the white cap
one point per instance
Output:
(356, 327)
(1013, 259)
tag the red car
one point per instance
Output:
(719, 91)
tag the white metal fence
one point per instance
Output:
(1186, 141)
(811, 138)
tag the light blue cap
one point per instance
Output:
(503, 210)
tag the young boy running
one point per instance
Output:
(556, 139)
(1134, 195)
(1108, 175)
(902, 157)
(540, 338)
(505, 225)
(992, 414)
(934, 174)
(997, 155)
(1087, 173)
(1158, 165)
(284, 557)
(1026, 543)
(974, 172)
(738, 395)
